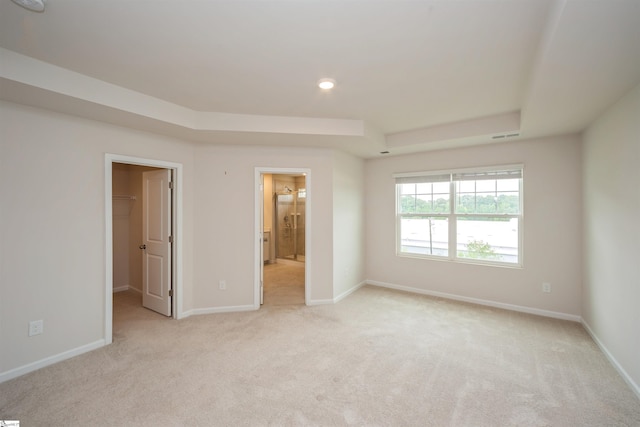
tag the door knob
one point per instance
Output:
(143, 246)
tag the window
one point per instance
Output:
(465, 215)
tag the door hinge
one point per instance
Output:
(170, 239)
(171, 185)
(170, 292)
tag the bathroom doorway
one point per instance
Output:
(283, 222)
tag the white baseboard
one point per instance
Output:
(634, 387)
(504, 306)
(214, 310)
(34, 366)
(126, 288)
(348, 292)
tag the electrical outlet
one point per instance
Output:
(223, 285)
(546, 287)
(36, 327)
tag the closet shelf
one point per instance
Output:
(123, 197)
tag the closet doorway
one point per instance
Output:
(283, 224)
(143, 211)
(142, 233)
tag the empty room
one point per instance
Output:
(370, 213)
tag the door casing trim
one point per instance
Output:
(259, 171)
(177, 214)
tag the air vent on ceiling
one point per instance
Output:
(509, 135)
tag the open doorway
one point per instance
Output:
(146, 195)
(283, 221)
(142, 232)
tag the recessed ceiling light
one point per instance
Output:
(34, 5)
(326, 84)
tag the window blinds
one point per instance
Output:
(495, 174)
(499, 172)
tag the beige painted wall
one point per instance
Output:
(552, 227)
(348, 224)
(52, 227)
(52, 242)
(612, 232)
(224, 214)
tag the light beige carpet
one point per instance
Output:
(377, 358)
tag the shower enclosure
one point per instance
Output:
(290, 225)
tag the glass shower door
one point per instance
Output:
(290, 226)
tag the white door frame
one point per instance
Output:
(109, 160)
(259, 204)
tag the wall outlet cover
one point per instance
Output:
(36, 327)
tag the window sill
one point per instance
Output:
(461, 261)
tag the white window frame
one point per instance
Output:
(452, 216)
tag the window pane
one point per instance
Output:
(490, 239)
(424, 236)
(424, 188)
(441, 187)
(509, 203)
(466, 186)
(441, 203)
(407, 204)
(486, 185)
(487, 202)
(509, 185)
(407, 189)
(423, 203)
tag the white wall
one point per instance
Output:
(224, 216)
(552, 227)
(611, 297)
(55, 263)
(348, 223)
(52, 227)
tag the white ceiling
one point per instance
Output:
(411, 75)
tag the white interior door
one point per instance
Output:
(156, 241)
